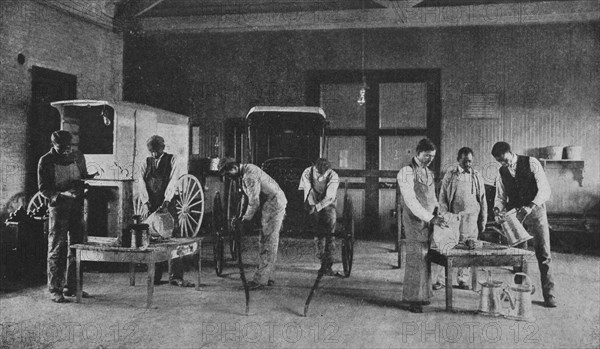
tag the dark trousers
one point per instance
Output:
(176, 264)
(323, 222)
(65, 227)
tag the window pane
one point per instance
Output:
(403, 105)
(387, 203)
(339, 103)
(396, 151)
(347, 152)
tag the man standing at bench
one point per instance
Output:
(320, 184)
(417, 189)
(522, 184)
(463, 192)
(157, 180)
(262, 191)
(60, 175)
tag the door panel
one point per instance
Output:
(403, 105)
(339, 103)
(347, 152)
(396, 151)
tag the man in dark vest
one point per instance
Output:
(320, 184)
(157, 186)
(522, 184)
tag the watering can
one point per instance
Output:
(520, 300)
(512, 229)
(491, 296)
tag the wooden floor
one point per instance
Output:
(364, 310)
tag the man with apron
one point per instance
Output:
(157, 182)
(320, 184)
(60, 175)
(418, 202)
(261, 190)
(463, 193)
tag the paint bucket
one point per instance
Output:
(573, 152)
(553, 152)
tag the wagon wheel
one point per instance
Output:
(38, 207)
(139, 208)
(235, 209)
(189, 205)
(348, 238)
(218, 226)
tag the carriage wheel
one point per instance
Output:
(235, 208)
(139, 209)
(189, 205)
(38, 207)
(348, 241)
(218, 227)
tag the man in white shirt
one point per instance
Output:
(418, 201)
(320, 184)
(265, 194)
(522, 184)
(157, 183)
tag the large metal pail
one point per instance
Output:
(513, 230)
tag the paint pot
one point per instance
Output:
(520, 309)
(512, 229)
(573, 152)
(140, 237)
(553, 152)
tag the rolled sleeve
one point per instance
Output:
(176, 173)
(443, 198)
(141, 184)
(500, 199)
(330, 193)
(406, 184)
(541, 180)
(251, 187)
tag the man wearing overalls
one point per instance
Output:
(418, 202)
(262, 191)
(320, 184)
(60, 175)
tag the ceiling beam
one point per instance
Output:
(396, 17)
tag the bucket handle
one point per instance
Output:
(505, 294)
(529, 283)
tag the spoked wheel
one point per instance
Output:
(189, 205)
(38, 207)
(348, 240)
(218, 225)
(235, 209)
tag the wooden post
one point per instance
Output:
(199, 265)
(449, 284)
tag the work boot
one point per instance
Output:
(549, 301)
(57, 297)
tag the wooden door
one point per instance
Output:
(368, 144)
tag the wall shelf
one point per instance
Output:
(576, 166)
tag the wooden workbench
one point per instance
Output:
(489, 255)
(103, 250)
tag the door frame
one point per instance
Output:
(372, 131)
(68, 83)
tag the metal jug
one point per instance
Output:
(520, 309)
(512, 228)
(491, 296)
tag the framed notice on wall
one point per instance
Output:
(481, 106)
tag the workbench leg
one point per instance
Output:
(169, 270)
(474, 278)
(151, 269)
(131, 274)
(199, 268)
(79, 272)
(401, 253)
(449, 285)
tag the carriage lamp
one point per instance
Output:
(104, 117)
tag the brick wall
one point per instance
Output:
(51, 38)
